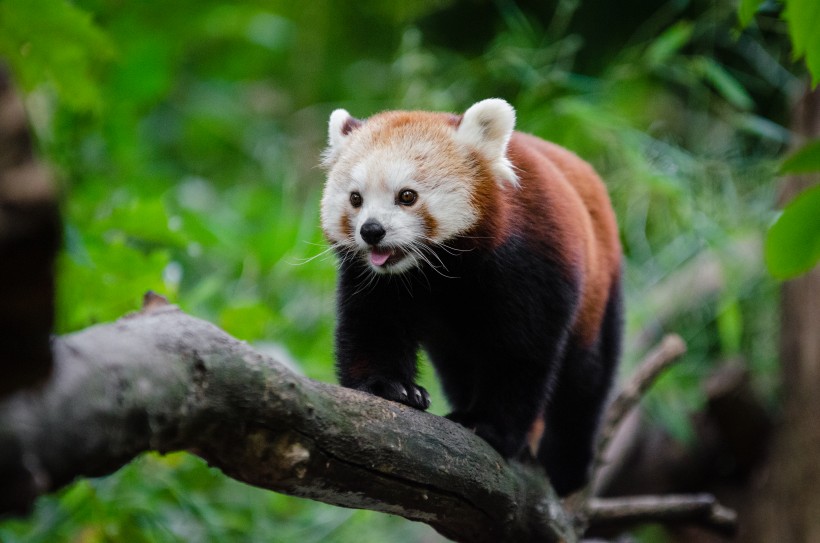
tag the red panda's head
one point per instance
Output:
(400, 183)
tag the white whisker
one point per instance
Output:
(434, 254)
(366, 287)
(419, 249)
(322, 254)
(447, 248)
(402, 278)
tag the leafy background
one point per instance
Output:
(185, 136)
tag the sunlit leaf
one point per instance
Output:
(746, 11)
(803, 17)
(793, 242)
(100, 280)
(145, 71)
(804, 160)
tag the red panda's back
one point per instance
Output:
(570, 207)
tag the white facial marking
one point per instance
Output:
(422, 152)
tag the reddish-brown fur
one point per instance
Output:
(430, 223)
(575, 218)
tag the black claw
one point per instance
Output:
(397, 391)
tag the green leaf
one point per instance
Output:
(746, 11)
(804, 160)
(803, 18)
(793, 242)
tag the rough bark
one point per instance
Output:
(162, 380)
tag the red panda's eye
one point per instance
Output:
(355, 199)
(407, 197)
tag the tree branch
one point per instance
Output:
(162, 380)
(702, 509)
(669, 351)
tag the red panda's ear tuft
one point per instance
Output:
(487, 126)
(341, 124)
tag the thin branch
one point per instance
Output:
(699, 509)
(662, 357)
(666, 353)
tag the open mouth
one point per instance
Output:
(385, 256)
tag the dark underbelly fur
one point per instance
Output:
(498, 332)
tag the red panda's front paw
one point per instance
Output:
(398, 391)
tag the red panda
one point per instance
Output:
(494, 251)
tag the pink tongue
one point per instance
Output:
(378, 257)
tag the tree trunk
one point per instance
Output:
(769, 475)
(29, 237)
(789, 501)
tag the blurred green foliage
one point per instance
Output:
(177, 498)
(186, 137)
(793, 242)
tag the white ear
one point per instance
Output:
(487, 127)
(340, 125)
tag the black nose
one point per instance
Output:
(372, 232)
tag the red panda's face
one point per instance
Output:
(402, 183)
